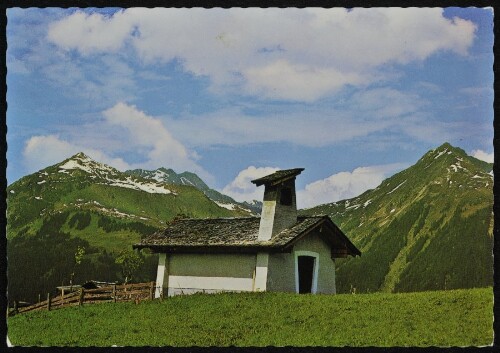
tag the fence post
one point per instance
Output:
(48, 301)
(39, 298)
(16, 307)
(82, 293)
(151, 290)
(114, 293)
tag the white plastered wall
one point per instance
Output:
(210, 273)
(282, 267)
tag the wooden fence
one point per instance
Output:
(115, 293)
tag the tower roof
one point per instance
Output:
(278, 177)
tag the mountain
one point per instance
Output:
(82, 204)
(80, 184)
(428, 227)
(191, 179)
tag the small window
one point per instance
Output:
(286, 196)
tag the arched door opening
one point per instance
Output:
(306, 272)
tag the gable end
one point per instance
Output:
(339, 244)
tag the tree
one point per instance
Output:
(129, 262)
(80, 252)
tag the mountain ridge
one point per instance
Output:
(188, 178)
(446, 194)
(79, 183)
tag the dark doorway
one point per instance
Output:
(306, 268)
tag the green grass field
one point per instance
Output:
(440, 318)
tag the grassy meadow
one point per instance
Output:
(437, 318)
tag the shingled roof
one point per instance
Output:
(278, 177)
(237, 235)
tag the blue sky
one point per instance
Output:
(351, 96)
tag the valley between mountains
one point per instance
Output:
(427, 227)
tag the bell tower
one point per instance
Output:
(279, 209)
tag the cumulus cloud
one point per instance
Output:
(91, 32)
(290, 54)
(482, 155)
(345, 185)
(241, 189)
(43, 150)
(283, 80)
(336, 187)
(145, 131)
(142, 134)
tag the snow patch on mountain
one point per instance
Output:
(110, 175)
(458, 166)
(147, 187)
(82, 204)
(186, 181)
(85, 163)
(73, 164)
(397, 187)
(159, 175)
(228, 206)
(441, 153)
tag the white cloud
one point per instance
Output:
(96, 82)
(336, 187)
(345, 185)
(87, 82)
(91, 33)
(137, 132)
(477, 91)
(291, 54)
(434, 131)
(362, 114)
(241, 189)
(44, 150)
(384, 103)
(283, 80)
(482, 155)
(149, 132)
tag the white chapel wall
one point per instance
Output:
(281, 275)
(210, 273)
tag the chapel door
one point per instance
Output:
(306, 273)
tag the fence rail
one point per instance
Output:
(122, 293)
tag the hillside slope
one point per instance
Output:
(427, 227)
(81, 185)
